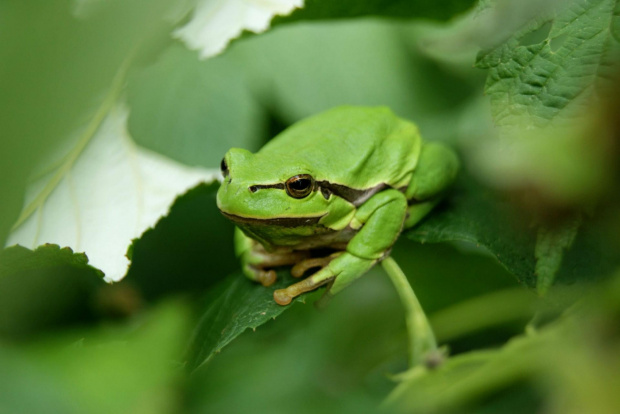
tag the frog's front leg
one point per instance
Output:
(257, 263)
(380, 220)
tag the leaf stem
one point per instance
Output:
(421, 337)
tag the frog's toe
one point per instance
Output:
(302, 267)
(285, 296)
(282, 297)
(266, 277)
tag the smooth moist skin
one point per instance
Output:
(331, 192)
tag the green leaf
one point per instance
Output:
(45, 289)
(299, 70)
(193, 111)
(194, 242)
(551, 243)
(475, 214)
(475, 378)
(496, 221)
(421, 9)
(235, 305)
(555, 65)
(18, 259)
(56, 68)
(107, 370)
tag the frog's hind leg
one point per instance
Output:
(436, 170)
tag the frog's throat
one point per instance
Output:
(276, 221)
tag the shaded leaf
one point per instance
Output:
(299, 70)
(193, 111)
(106, 371)
(468, 379)
(45, 289)
(496, 221)
(188, 251)
(475, 214)
(421, 9)
(235, 305)
(551, 243)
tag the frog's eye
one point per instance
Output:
(224, 168)
(300, 186)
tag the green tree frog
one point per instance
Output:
(333, 192)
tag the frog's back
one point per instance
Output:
(361, 147)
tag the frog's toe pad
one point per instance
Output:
(267, 278)
(282, 297)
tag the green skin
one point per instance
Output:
(372, 176)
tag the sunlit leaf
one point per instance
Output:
(103, 193)
(214, 23)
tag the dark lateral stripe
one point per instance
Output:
(278, 221)
(352, 195)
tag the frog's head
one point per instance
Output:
(263, 195)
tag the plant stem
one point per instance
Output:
(421, 337)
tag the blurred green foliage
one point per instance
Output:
(534, 207)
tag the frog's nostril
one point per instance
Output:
(253, 189)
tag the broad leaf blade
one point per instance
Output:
(105, 193)
(45, 289)
(558, 75)
(235, 305)
(475, 214)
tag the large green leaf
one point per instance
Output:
(299, 70)
(193, 111)
(187, 252)
(496, 221)
(555, 65)
(475, 214)
(56, 67)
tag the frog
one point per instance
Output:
(331, 193)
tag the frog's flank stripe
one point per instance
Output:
(278, 221)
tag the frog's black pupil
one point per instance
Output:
(300, 184)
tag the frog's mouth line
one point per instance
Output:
(278, 221)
